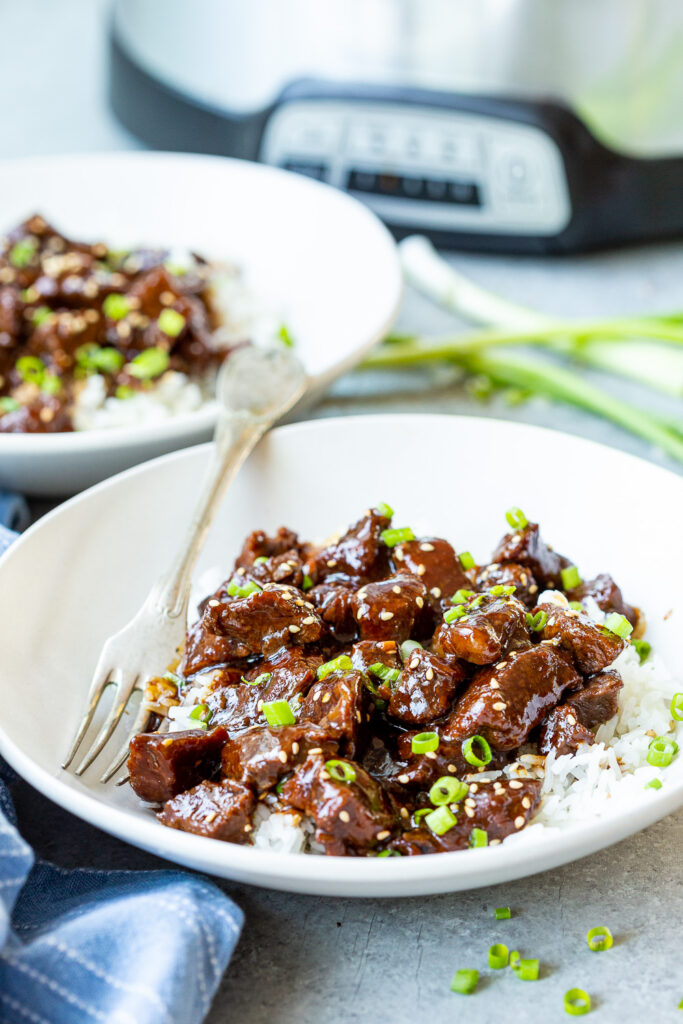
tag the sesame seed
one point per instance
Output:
(210, 816)
(295, 629)
(470, 802)
(167, 743)
(326, 698)
(314, 750)
(571, 719)
(385, 616)
(426, 547)
(500, 705)
(309, 620)
(344, 816)
(414, 662)
(526, 802)
(317, 695)
(519, 822)
(404, 812)
(419, 601)
(494, 684)
(514, 784)
(282, 757)
(494, 842)
(404, 779)
(214, 604)
(396, 589)
(474, 787)
(384, 834)
(295, 747)
(469, 812)
(429, 673)
(259, 705)
(435, 591)
(431, 754)
(501, 664)
(398, 555)
(452, 769)
(331, 563)
(247, 828)
(324, 775)
(533, 588)
(421, 569)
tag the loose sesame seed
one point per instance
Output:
(494, 842)
(469, 812)
(326, 698)
(494, 684)
(214, 604)
(317, 695)
(470, 802)
(314, 750)
(210, 816)
(396, 589)
(501, 664)
(429, 673)
(519, 822)
(514, 784)
(533, 588)
(474, 787)
(259, 706)
(404, 812)
(500, 705)
(526, 802)
(385, 616)
(421, 569)
(282, 756)
(571, 719)
(295, 629)
(167, 743)
(331, 563)
(435, 591)
(414, 662)
(309, 620)
(426, 547)
(295, 747)
(384, 834)
(324, 775)
(404, 779)
(344, 816)
(247, 828)
(359, 717)
(431, 754)
(452, 769)
(419, 601)
(398, 555)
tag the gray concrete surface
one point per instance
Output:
(308, 960)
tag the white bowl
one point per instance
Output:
(78, 575)
(313, 253)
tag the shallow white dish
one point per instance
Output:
(78, 575)
(315, 255)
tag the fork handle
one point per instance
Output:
(237, 433)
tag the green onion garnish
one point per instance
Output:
(235, 589)
(175, 268)
(537, 621)
(149, 364)
(570, 577)
(307, 583)
(172, 677)
(341, 664)
(261, 560)
(599, 938)
(465, 981)
(577, 1002)
(92, 357)
(8, 404)
(407, 648)
(202, 713)
(116, 306)
(453, 614)
(124, 392)
(389, 675)
(394, 536)
(170, 322)
(441, 820)
(462, 596)
(500, 590)
(424, 742)
(466, 560)
(469, 754)
(516, 518)
(499, 955)
(30, 369)
(526, 970)
(22, 252)
(576, 606)
(502, 913)
(40, 315)
(342, 771)
(422, 813)
(384, 509)
(677, 707)
(643, 649)
(278, 712)
(285, 336)
(478, 837)
(448, 790)
(389, 853)
(259, 681)
(653, 784)
(50, 384)
(661, 752)
(618, 624)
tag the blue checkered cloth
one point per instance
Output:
(117, 947)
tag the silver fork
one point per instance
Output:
(255, 388)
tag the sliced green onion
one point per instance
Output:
(653, 784)
(448, 790)
(500, 590)
(537, 621)
(677, 707)
(30, 369)
(479, 837)
(422, 813)
(576, 606)
(390, 853)
(384, 509)
(516, 518)
(469, 754)
(264, 677)
(278, 712)
(389, 675)
(643, 649)
(342, 771)
(462, 596)
(577, 1002)
(172, 677)
(202, 713)
(8, 404)
(441, 820)
(502, 913)
(149, 364)
(175, 268)
(526, 970)
(116, 306)
(424, 742)
(514, 959)
(341, 664)
(618, 624)
(40, 315)
(109, 360)
(124, 392)
(261, 560)
(453, 614)
(170, 322)
(570, 577)
(235, 589)
(661, 752)
(499, 955)
(464, 981)
(407, 648)
(50, 384)
(307, 583)
(466, 560)
(599, 938)
(22, 252)
(285, 336)
(394, 536)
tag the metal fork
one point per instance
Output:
(255, 388)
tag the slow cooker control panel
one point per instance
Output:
(423, 168)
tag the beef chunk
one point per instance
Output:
(367, 653)
(261, 757)
(526, 547)
(425, 688)
(264, 621)
(259, 545)
(43, 415)
(491, 627)
(570, 723)
(161, 765)
(203, 649)
(389, 609)
(420, 771)
(436, 564)
(219, 810)
(360, 553)
(504, 702)
(592, 648)
(285, 568)
(606, 595)
(338, 703)
(563, 732)
(508, 574)
(350, 817)
(334, 602)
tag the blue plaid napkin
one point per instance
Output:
(117, 947)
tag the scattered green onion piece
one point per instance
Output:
(172, 677)
(618, 624)
(116, 306)
(465, 981)
(514, 959)
(537, 621)
(389, 675)
(441, 820)
(422, 813)
(109, 360)
(407, 648)
(124, 392)
(261, 560)
(471, 757)
(499, 955)
(235, 589)
(661, 752)
(516, 518)
(30, 369)
(424, 742)
(278, 788)
(653, 784)
(643, 649)
(389, 853)
(40, 315)
(342, 771)
(264, 677)
(384, 509)
(394, 536)
(599, 938)
(576, 606)
(285, 336)
(307, 583)
(448, 790)
(453, 614)
(8, 404)
(22, 252)
(150, 363)
(202, 713)
(501, 590)
(476, 602)
(479, 837)
(677, 707)
(278, 712)
(526, 970)
(502, 913)
(570, 577)
(341, 664)
(466, 560)
(175, 268)
(577, 1002)
(170, 322)
(462, 596)
(50, 384)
